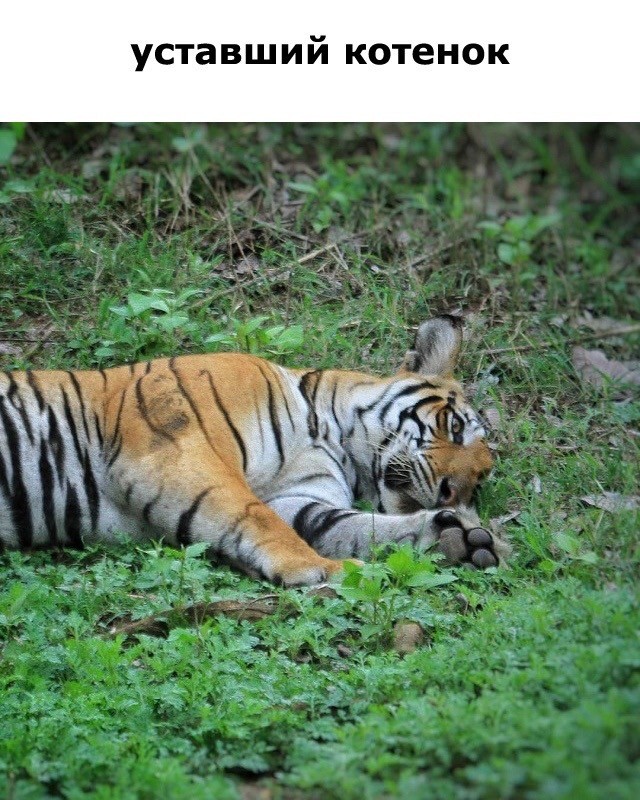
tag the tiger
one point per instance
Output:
(269, 467)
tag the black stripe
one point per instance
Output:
(19, 499)
(375, 464)
(78, 391)
(230, 552)
(183, 530)
(314, 476)
(15, 398)
(227, 418)
(256, 408)
(237, 534)
(330, 454)
(48, 505)
(98, 430)
(127, 494)
(412, 412)
(146, 511)
(273, 416)
(404, 392)
(31, 380)
(4, 477)
(333, 404)
(116, 428)
(430, 477)
(72, 518)
(71, 423)
(283, 394)
(189, 400)
(308, 392)
(142, 409)
(115, 453)
(91, 490)
(56, 444)
(313, 529)
(104, 378)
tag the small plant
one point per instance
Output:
(253, 337)
(380, 589)
(147, 324)
(173, 574)
(335, 193)
(514, 241)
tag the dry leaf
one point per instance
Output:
(254, 791)
(324, 590)
(602, 325)
(64, 196)
(594, 368)
(407, 636)
(612, 501)
(492, 418)
(93, 167)
(536, 484)
(159, 625)
(497, 523)
(7, 349)
(247, 265)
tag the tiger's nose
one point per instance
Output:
(447, 493)
(456, 489)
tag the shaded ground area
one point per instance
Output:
(321, 245)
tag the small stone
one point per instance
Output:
(407, 636)
(325, 591)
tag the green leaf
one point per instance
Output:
(8, 142)
(425, 580)
(307, 188)
(173, 321)
(195, 550)
(18, 186)
(287, 339)
(223, 338)
(139, 303)
(506, 253)
(491, 229)
(401, 563)
(19, 129)
(566, 542)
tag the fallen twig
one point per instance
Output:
(589, 337)
(160, 624)
(283, 274)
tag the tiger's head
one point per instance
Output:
(434, 453)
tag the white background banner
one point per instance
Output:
(72, 60)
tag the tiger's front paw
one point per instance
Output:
(298, 572)
(463, 543)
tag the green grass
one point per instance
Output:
(123, 242)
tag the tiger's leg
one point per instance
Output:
(199, 499)
(343, 533)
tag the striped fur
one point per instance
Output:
(260, 462)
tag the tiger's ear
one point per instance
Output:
(436, 347)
